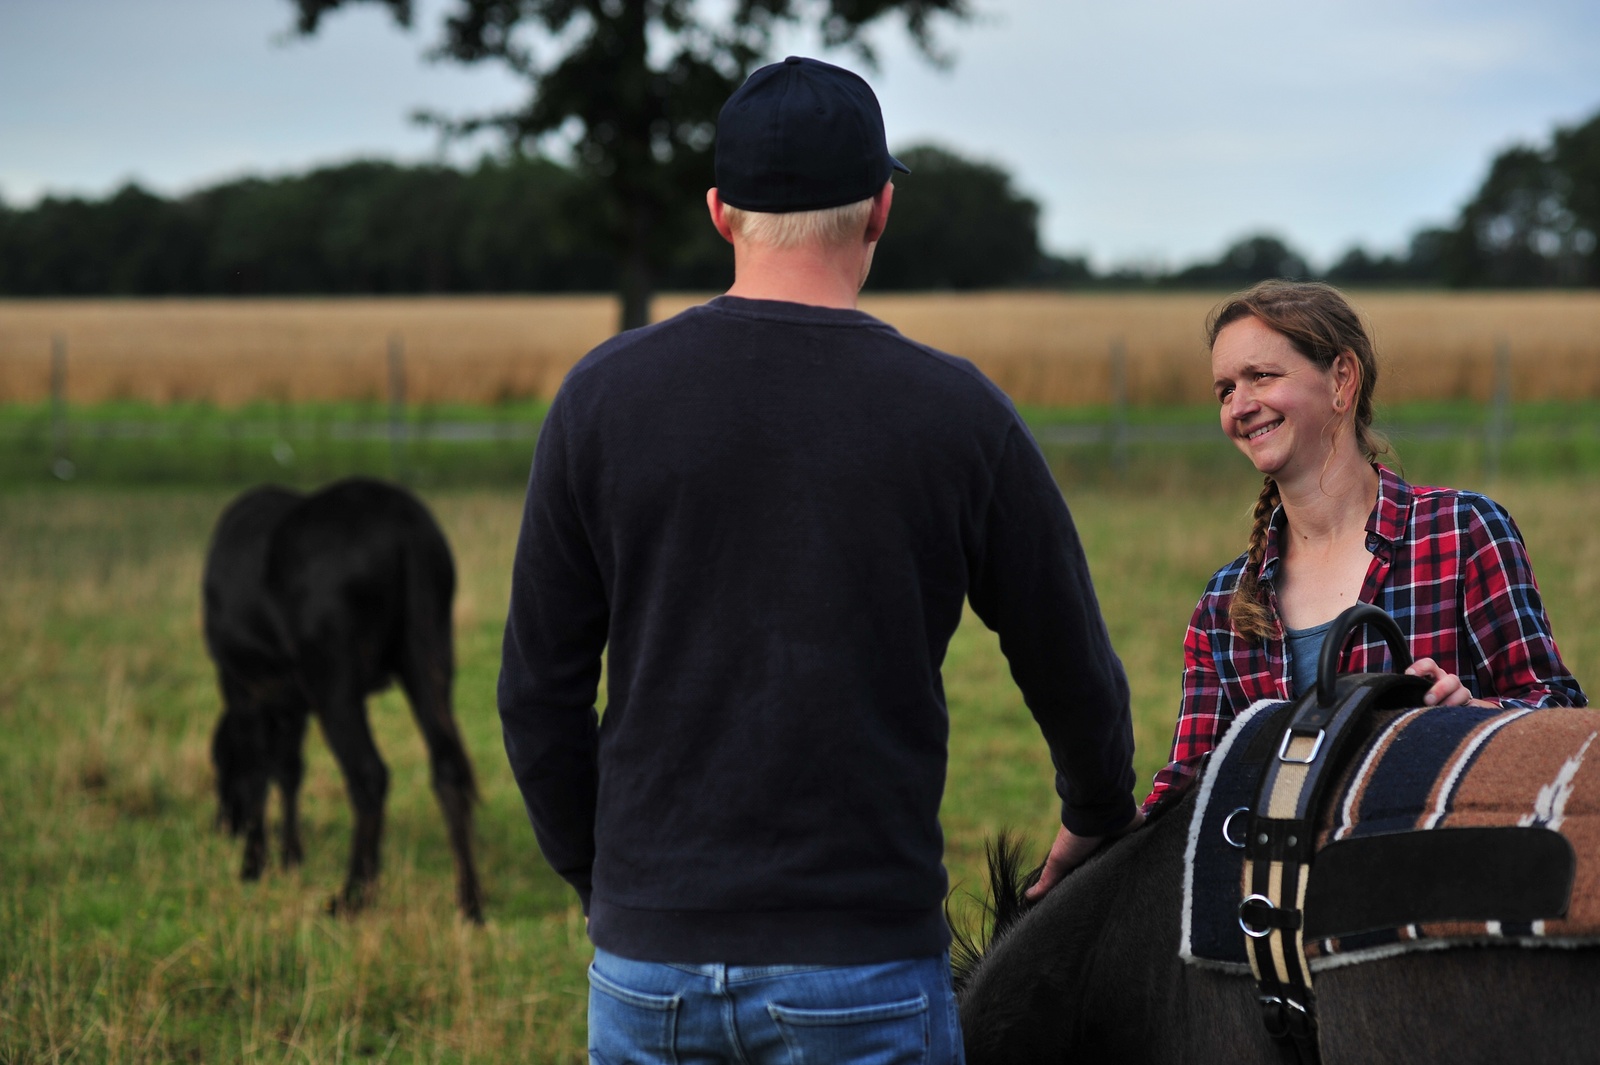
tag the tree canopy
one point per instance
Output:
(365, 227)
(640, 82)
(956, 224)
(520, 224)
(1536, 218)
(1255, 258)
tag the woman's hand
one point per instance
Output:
(1447, 689)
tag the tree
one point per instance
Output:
(1249, 260)
(956, 224)
(1576, 154)
(1536, 218)
(1422, 263)
(509, 225)
(640, 82)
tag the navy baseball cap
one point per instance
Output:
(801, 135)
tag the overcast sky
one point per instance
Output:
(1150, 131)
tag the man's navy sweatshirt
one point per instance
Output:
(768, 516)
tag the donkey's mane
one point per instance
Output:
(1005, 903)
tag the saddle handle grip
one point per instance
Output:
(1343, 626)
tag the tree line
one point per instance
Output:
(514, 224)
(520, 223)
(1533, 223)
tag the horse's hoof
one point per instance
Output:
(337, 907)
(350, 901)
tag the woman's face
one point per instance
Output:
(1277, 406)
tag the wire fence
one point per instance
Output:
(391, 435)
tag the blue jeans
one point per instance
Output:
(896, 1013)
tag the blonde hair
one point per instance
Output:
(1320, 324)
(829, 226)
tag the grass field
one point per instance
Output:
(127, 443)
(126, 937)
(1046, 349)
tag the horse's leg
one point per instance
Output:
(255, 830)
(243, 764)
(344, 724)
(427, 686)
(290, 762)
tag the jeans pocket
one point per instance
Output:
(628, 1027)
(894, 1033)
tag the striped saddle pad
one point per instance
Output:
(1418, 770)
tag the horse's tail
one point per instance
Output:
(1003, 906)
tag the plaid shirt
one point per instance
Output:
(1450, 567)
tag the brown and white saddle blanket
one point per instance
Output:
(1419, 771)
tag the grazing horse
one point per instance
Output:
(1092, 973)
(312, 603)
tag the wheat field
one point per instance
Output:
(1045, 349)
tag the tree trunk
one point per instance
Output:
(637, 283)
(634, 295)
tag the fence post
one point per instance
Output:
(1119, 406)
(60, 464)
(1499, 427)
(397, 406)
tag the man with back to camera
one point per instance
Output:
(769, 510)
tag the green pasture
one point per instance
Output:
(125, 935)
(439, 446)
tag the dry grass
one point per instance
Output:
(230, 352)
(1048, 349)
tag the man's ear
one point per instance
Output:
(718, 218)
(879, 218)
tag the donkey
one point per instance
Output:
(1091, 973)
(311, 603)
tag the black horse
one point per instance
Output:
(1091, 974)
(312, 603)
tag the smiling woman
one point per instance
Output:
(1294, 372)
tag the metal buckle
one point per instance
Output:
(1274, 1016)
(1227, 830)
(1316, 748)
(1298, 1019)
(1247, 929)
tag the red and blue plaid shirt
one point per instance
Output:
(1449, 566)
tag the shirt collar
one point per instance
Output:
(1269, 558)
(1387, 522)
(1385, 525)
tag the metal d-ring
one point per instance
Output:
(1227, 828)
(1249, 930)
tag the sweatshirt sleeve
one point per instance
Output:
(550, 663)
(1031, 585)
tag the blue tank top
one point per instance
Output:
(1304, 647)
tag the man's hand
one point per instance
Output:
(1068, 852)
